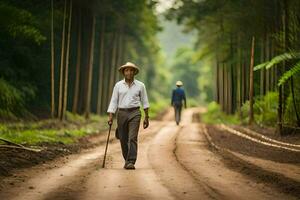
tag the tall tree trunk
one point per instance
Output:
(78, 64)
(101, 68)
(90, 69)
(287, 46)
(231, 100)
(113, 67)
(105, 92)
(225, 88)
(281, 87)
(61, 75)
(273, 69)
(116, 56)
(120, 52)
(67, 64)
(267, 50)
(222, 86)
(52, 63)
(217, 80)
(243, 78)
(262, 71)
(251, 89)
(123, 55)
(239, 103)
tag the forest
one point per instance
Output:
(61, 57)
(223, 82)
(237, 37)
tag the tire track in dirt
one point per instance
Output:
(272, 178)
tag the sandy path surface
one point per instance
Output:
(174, 162)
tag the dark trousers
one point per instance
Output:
(177, 109)
(128, 128)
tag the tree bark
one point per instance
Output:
(251, 89)
(101, 68)
(90, 69)
(78, 64)
(262, 71)
(267, 50)
(217, 80)
(238, 89)
(52, 63)
(67, 64)
(61, 75)
(113, 67)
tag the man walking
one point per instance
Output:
(127, 97)
(178, 96)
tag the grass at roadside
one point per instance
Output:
(214, 115)
(158, 108)
(52, 131)
(67, 132)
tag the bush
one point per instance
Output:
(157, 108)
(215, 115)
(290, 113)
(192, 102)
(11, 100)
(264, 108)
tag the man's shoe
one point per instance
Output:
(129, 166)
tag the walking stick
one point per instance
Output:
(103, 164)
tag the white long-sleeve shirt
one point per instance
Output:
(124, 96)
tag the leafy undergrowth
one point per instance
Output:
(158, 108)
(51, 130)
(214, 115)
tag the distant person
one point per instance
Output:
(127, 97)
(178, 96)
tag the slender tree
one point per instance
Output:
(251, 89)
(78, 64)
(52, 63)
(90, 69)
(101, 67)
(61, 75)
(65, 96)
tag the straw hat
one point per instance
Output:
(129, 64)
(179, 83)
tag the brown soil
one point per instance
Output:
(233, 143)
(250, 148)
(12, 159)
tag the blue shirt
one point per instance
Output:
(178, 96)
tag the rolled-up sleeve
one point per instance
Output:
(144, 97)
(113, 105)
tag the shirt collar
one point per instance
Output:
(123, 81)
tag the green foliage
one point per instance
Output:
(19, 23)
(192, 102)
(214, 115)
(288, 74)
(187, 71)
(51, 131)
(278, 59)
(289, 115)
(12, 102)
(25, 43)
(281, 58)
(74, 117)
(265, 110)
(157, 108)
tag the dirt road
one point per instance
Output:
(174, 162)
